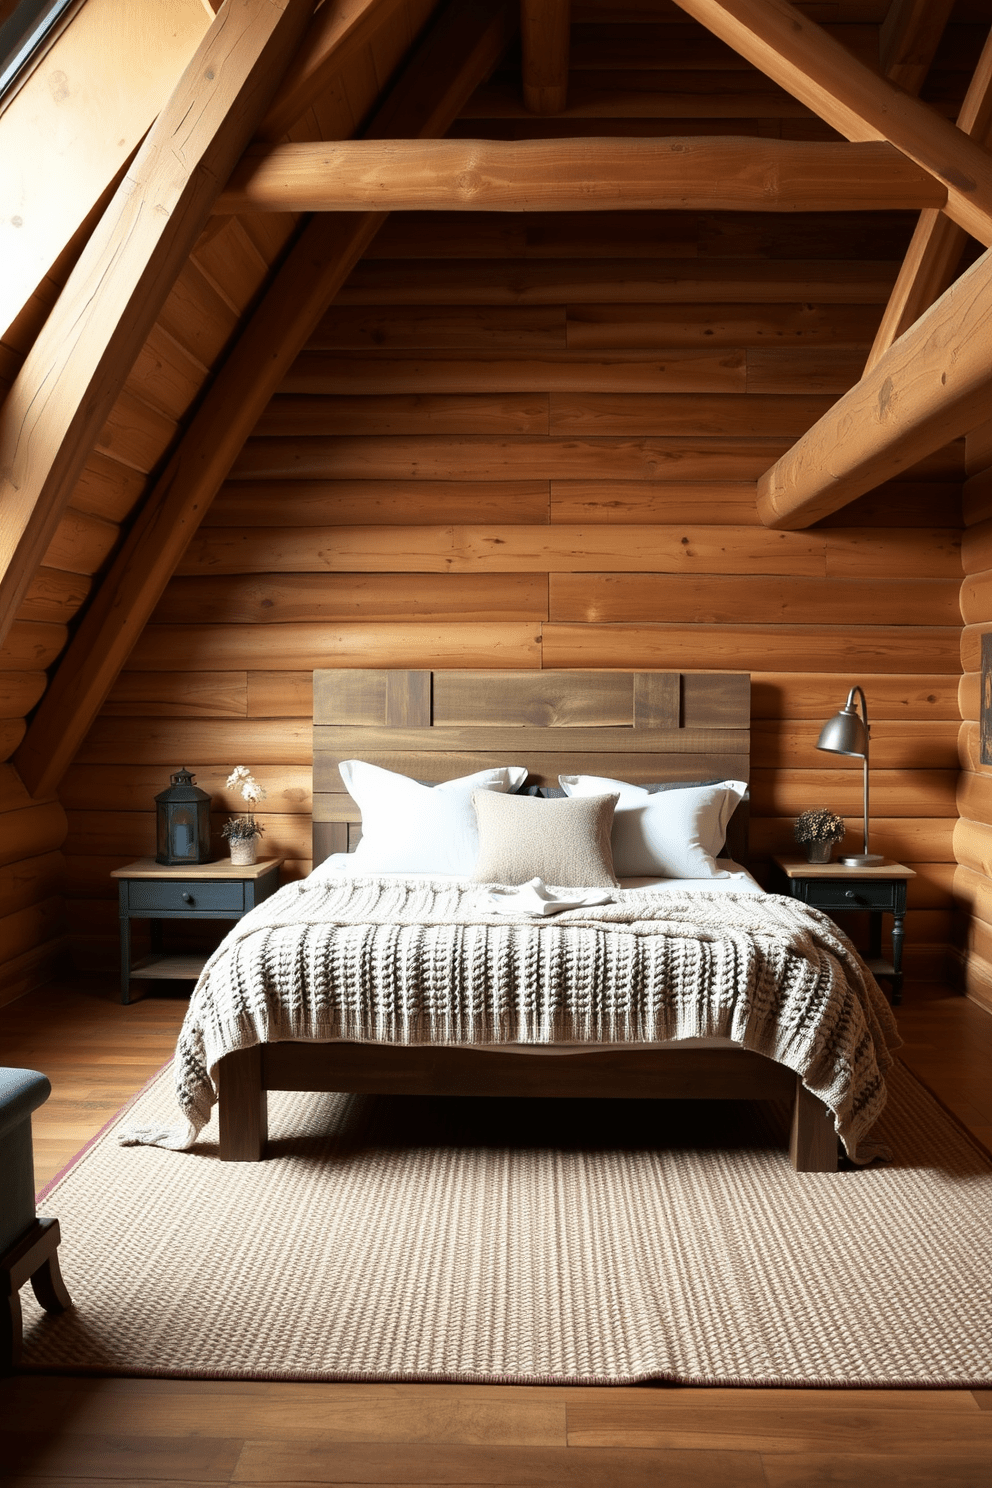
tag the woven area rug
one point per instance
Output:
(396, 1238)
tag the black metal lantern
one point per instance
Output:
(183, 822)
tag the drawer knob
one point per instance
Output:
(187, 898)
(850, 894)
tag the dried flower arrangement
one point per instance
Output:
(244, 828)
(819, 824)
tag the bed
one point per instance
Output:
(432, 726)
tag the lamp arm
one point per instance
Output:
(864, 719)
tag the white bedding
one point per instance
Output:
(737, 880)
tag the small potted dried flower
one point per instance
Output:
(818, 829)
(243, 832)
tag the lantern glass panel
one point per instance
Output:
(182, 832)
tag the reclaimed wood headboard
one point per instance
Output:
(637, 726)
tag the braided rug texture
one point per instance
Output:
(409, 961)
(392, 1238)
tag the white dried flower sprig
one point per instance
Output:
(244, 828)
(819, 824)
(241, 779)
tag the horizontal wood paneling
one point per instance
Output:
(858, 552)
(512, 458)
(729, 600)
(300, 597)
(807, 648)
(683, 370)
(619, 281)
(384, 503)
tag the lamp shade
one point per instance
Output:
(845, 733)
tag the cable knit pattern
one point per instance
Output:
(409, 961)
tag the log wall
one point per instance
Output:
(973, 832)
(524, 443)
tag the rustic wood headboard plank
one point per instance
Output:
(638, 726)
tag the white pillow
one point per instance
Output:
(668, 834)
(412, 828)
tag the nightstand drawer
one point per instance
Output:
(178, 896)
(829, 894)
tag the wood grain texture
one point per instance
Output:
(86, 350)
(853, 99)
(716, 174)
(933, 383)
(383, 503)
(544, 43)
(299, 597)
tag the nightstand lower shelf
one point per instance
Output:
(168, 968)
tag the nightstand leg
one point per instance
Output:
(897, 936)
(125, 958)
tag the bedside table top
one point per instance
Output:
(794, 867)
(223, 868)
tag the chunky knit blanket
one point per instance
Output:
(409, 961)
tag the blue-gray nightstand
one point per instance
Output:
(832, 888)
(196, 891)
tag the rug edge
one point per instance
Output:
(77, 1157)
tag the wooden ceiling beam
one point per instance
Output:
(578, 175)
(933, 385)
(69, 381)
(937, 244)
(457, 55)
(545, 28)
(818, 70)
(337, 33)
(908, 40)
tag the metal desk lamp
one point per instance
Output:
(848, 733)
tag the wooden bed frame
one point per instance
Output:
(637, 726)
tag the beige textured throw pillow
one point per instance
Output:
(567, 843)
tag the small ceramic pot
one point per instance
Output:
(819, 852)
(244, 850)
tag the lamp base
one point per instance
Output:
(862, 860)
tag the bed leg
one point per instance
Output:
(813, 1140)
(243, 1106)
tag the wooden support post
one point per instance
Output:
(70, 379)
(577, 175)
(937, 244)
(459, 53)
(242, 1106)
(544, 37)
(908, 38)
(856, 101)
(931, 386)
(813, 1138)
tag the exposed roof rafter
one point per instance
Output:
(937, 243)
(798, 54)
(909, 38)
(932, 385)
(544, 38)
(67, 386)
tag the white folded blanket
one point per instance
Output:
(535, 898)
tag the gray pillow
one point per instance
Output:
(526, 838)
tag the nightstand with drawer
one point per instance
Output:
(201, 891)
(832, 888)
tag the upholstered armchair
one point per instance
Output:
(28, 1245)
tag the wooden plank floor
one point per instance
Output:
(56, 1432)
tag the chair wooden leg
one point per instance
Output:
(34, 1258)
(813, 1140)
(243, 1106)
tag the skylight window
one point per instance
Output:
(24, 34)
